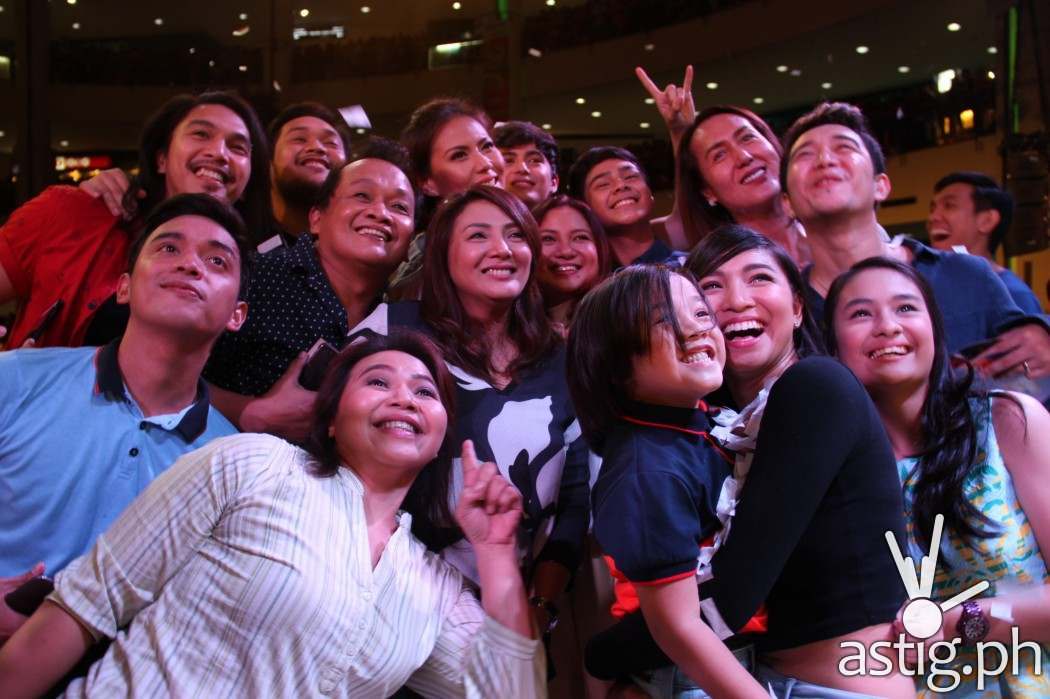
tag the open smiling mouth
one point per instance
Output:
(754, 175)
(402, 427)
(624, 202)
(210, 173)
(377, 233)
(701, 355)
(500, 272)
(892, 351)
(743, 330)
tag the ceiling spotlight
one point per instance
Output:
(903, 69)
(193, 50)
(650, 100)
(159, 21)
(242, 68)
(944, 80)
(76, 25)
(2, 134)
(365, 9)
(758, 100)
(954, 26)
(596, 114)
(360, 132)
(644, 125)
(862, 49)
(649, 47)
(551, 3)
(795, 72)
(304, 13)
(712, 86)
(71, 2)
(64, 143)
(535, 53)
(825, 86)
(547, 126)
(211, 64)
(242, 30)
(991, 75)
(456, 5)
(243, 16)
(993, 50)
(782, 69)
(580, 100)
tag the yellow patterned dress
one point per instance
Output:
(1007, 560)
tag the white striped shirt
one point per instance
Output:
(238, 573)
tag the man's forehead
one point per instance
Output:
(826, 132)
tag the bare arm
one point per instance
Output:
(285, 410)
(672, 611)
(42, 652)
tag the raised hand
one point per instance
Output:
(674, 103)
(489, 508)
(286, 410)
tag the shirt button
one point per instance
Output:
(134, 451)
(92, 306)
(143, 425)
(367, 596)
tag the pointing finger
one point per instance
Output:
(647, 83)
(687, 82)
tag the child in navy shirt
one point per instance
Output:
(644, 350)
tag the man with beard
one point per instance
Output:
(307, 140)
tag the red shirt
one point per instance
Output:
(61, 245)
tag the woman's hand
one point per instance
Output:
(674, 103)
(110, 186)
(489, 508)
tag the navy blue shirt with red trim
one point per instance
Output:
(655, 499)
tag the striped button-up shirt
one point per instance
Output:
(238, 573)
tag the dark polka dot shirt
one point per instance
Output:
(290, 305)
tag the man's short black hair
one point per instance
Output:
(378, 148)
(987, 194)
(310, 109)
(599, 154)
(832, 113)
(205, 206)
(512, 134)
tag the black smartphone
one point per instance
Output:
(317, 361)
(25, 598)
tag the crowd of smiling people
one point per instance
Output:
(279, 419)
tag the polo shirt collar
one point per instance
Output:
(669, 417)
(109, 382)
(920, 251)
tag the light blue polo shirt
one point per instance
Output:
(75, 449)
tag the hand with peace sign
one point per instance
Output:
(674, 103)
(489, 508)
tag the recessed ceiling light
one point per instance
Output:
(2, 134)
(535, 53)
(551, 3)
(954, 26)
(580, 100)
(795, 72)
(242, 68)
(596, 114)
(712, 86)
(903, 69)
(547, 126)
(304, 12)
(76, 25)
(456, 5)
(650, 47)
(644, 124)
(944, 80)
(365, 9)
(782, 69)
(243, 16)
(862, 49)
(993, 50)
(211, 64)
(71, 2)
(650, 100)
(360, 132)
(825, 86)
(64, 143)
(758, 100)
(193, 50)
(991, 75)
(159, 21)
(241, 31)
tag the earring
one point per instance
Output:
(798, 323)
(711, 203)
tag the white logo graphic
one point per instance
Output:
(922, 616)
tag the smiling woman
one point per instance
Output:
(482, 304)
(309, 600)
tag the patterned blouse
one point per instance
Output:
(1009, 559)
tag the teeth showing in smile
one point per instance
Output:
(210, 173)
(753, 175)
(380, 235)
(705, 356)
(501, 272)
(895, 351)
(624, 202)
(399, 426)
(745, 328)
(567, 269)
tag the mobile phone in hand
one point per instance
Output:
(25, 598)
(317, 361)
